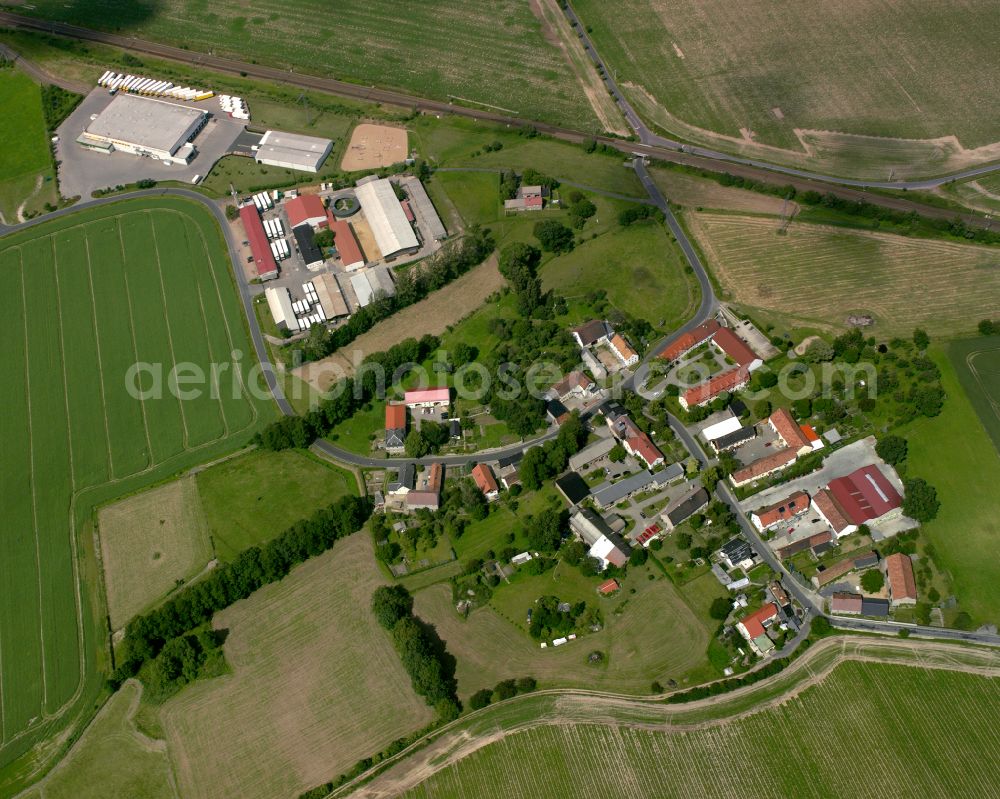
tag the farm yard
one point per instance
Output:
(490, 55)
(85, 298)
(806, 723)
(756, 76)
(316, 685)
(819, 275)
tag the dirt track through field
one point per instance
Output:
(589, 707)
(432, 315)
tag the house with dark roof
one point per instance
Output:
(405, 480)
(594, 332)
(734, 439)
(737, 553)
(870, 606)
(812, 542)
(556, 411)
(305, 240)
(395, 427)
(684, 508)
(573, 487)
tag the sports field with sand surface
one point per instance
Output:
(316, 684)
(373, 147)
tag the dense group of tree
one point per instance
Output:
(412, 284)
(551, 458)
(505, 689)
(420, 650)
(148, 635)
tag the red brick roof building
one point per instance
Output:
(263, 258)
(766, 518)
(688, 341)
(788, 430)
(347, 245)
(736, 348)
(306, 208)
(483, 476)
(899, 575)
(608, 587)
(706, 392)
(845, 602)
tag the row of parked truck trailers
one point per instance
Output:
(280, 250)
(263, 201)
(309, 311)
(150, 87)
(273, 228)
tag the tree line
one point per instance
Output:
(421, 651)
(149, 635)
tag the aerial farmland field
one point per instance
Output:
(799, 734)
(843, 87)
(86, 297)
(316, 685)
(487, 55)
(817, 274)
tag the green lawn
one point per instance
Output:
(111, 760)
(25, 152)
(476, 195)
(977, 363)
(641, 270)
(250, 499)
(85, 298)
(954, 453)
(356, 434)
(491, 532)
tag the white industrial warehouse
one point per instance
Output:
(292, 151)
(144, 126)
(393, 233)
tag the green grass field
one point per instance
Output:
(954, 453)
(112, 759)
(712, 71)
(426, 50)
(250, 499)
(85, 298)
(25, 157)
(807, 747)
(639, 268)
(977, 362)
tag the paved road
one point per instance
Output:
(650, 144)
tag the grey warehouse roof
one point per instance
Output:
(143, 121)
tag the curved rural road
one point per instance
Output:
(650, 144)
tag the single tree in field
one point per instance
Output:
(921, 339)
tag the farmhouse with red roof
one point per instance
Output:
(863, 496)
(753, 628)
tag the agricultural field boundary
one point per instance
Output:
(981, 385)
(448, 745)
